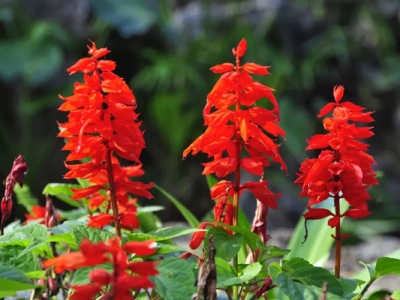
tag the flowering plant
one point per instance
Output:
(107, 247)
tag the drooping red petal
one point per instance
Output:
(222, 68)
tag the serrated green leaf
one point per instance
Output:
(26, 263)
(24, 235)
(274, 269)
(386, 265)
(293, 264)
(73, 214)
(227, 246)
(63, 192)
(94, 235)
(176, 279)
(349, 285)
(38, 247)
(189, 217)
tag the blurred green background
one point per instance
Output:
(164, 50)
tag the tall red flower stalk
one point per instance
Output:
(235, 123)
(343, 169)
(126, 275)
(17, 174)
(102, 124)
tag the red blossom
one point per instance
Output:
(234, 123)
(102, 122)
(343, 169)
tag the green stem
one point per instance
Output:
(338, 239)
(365, 289)
(113, 194)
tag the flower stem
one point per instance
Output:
(338, 238)
(113, 195)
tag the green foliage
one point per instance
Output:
(12, 281)
(228, 246)
(176, 279)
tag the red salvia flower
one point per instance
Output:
(17, 174)
(102, 123)
(235, 123)
(125, 277)
(343, 169)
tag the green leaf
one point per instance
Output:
(226, 275)
(396, 295)
(129, 17)
(94, 235)
(163, 248)
(274, 251)
(11, 273)
(11, 287)
(26, 263)
(74, 214)
(24, 235)
(317, 248)
(249, 237)
(150, 208)
(379, 295)
(176, 279)
(168, 233)
(148, 221)
(189, 217)
(227, 246)
(386, 266)
(316, 276)
(349, 285)
(370, 268)
(38, 247)
(24, 196)
(64, 238)
(63, 192)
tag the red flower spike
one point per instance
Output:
(235, 123)
(121, 279)
(343, 169)
(102, 124)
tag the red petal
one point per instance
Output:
(85, 192)
(326, 109)
(100, 276)
(357, 213)
(222, 68)
(333, 222)
(317, 213)
(241, 48)
(140, 248)
(338, 92)
(198, 236)
(100, 221)
(256, 69)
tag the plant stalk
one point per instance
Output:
(338, 239)
(113, 194)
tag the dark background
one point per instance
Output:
(164, 50)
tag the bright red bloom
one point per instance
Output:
(126, 276)
(37, 212)
(343, 169)
(235, 123)
(101, 123)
